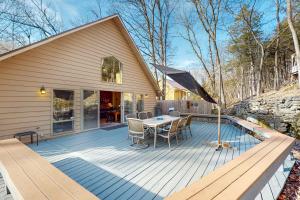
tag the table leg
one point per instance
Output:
(155, 132)
(7, 191)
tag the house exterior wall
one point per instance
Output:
(72, 63)
(180, 95)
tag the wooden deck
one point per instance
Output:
(103, 163)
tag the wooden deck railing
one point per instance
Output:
(245, 176)
(185, 106)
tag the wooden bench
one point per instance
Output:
(28, 176)
(245, 176)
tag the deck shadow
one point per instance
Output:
(100, 180)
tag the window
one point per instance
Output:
(128, 104)
(139, 102)
(111, 70)
(63, 114)
(90, 109)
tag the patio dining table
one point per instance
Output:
(158, 121)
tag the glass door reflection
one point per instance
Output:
(128, 104)
(90, 109)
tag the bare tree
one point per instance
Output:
(93, 12)
(248, 17)
(149, 22)
(22, 22)
(191, 38)
(208, 13)
(289, 14)
(276, 67)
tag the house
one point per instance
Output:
(174, 91)
(81, 79)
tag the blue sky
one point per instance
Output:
(72, 10)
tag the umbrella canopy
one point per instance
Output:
(186, 80)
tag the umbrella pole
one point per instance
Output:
(219, 146)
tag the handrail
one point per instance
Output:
(245, 176)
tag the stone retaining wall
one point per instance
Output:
(281, 113)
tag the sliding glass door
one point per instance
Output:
(128, 104)
(139, 98)
(63, 112)
(90, 109)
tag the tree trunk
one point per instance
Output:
(242, 83)
(276, 67)
(294, 35)
(261, 62)
(252, 75)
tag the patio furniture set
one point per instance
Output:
(169, 126)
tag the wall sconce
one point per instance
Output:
(43, 90)
(146, 95)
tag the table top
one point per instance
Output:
(159, 120)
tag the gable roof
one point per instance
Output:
(117, 20)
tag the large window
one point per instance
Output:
(111, 70)
(63, 114)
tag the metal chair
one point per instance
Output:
(171, 132)
(182, 126)
(174, 113)
(188, 123)
(137, 132)
(142, 115)
(131, 115)
(149, 115)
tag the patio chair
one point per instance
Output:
(137, 132)
(132, 115)
(182, 126)
(142, 115)
(149, 115)
(188, 124)
(171, 132)
(174, 113)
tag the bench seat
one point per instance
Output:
(30, 177)
(245, 176)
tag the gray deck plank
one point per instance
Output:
(153, 173)
(102, 161)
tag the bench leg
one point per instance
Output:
(31, 137)
(7, 191)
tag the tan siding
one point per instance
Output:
(71, 62)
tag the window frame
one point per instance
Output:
(113, 69)
(52, 111)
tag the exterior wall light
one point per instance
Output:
(43, 90)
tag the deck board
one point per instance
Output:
(103, 163)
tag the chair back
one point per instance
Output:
(174, 126)
(149, 115)
(189, 120)
(182, 122)
(135, 126)
(174, 113)
(142, 115)
(132, 115)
